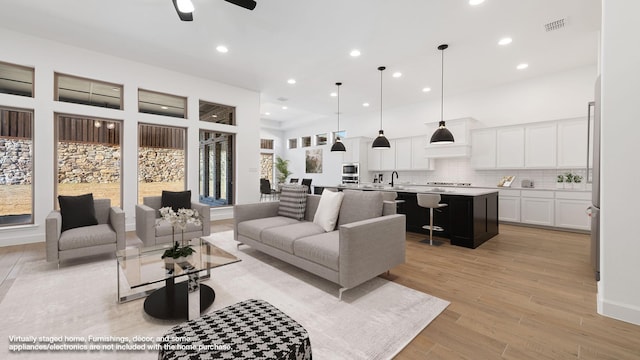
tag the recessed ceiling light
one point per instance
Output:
(397, 74)
(97, 124)
(475, 2)
(291, 81)
(522, 66)
(505, 41)
(267, 113)
(355, 53)
(426, 89)
(163, 107)
(222, 49)
(365, 104)
(334, 94)
(284, 108)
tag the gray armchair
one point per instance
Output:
(107, 236)
(153, 230)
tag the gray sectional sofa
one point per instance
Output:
(368, 241)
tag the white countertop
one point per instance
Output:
(465, 191)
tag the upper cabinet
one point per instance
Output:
(546, 145)
(404, 154)
(540, 145)
(356, 152)
(483, 149)
(572, 143)
(419, 159)
(510, 147)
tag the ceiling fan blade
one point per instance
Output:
(182, 15)
(247, 4)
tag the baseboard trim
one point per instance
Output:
(619, 311)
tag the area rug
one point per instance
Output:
(373, 321)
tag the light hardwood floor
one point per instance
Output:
(526, 294)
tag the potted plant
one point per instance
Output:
(560, 181)
(282, 166)
(577, 180)
(568, 178)
(177, 253)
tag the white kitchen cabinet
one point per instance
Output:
(373, 158)
(403, 154)
(571, 210)
(572, 143)
(540, 145)
(509, 205)
(388, 157)
(510, 147)
(537, 207)
(483, 149)
(352, 155)
(419, 159)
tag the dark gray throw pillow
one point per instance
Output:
(77, 211)
(176, 199)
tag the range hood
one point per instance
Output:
(460, 128)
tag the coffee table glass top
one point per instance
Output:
(144, 266)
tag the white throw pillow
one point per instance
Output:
(328, 210)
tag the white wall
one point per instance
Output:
(48, 57)
(619, 288)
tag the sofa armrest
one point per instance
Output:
(116, 220)
(53, 229)
(244, 212)
(389, 207)
(205, 216)
(145, 224)
(370, 247)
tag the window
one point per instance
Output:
(79, 90)
(16, 166)
(266, 166)
(293, 143)
(321, 139)
(306, 141)
(216, 168)
(88, 152)
(216, 113)
(161, 159)
(266, 144)
(16, 79)
(150, 102)
(341, 133)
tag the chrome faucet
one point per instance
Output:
(394, 172)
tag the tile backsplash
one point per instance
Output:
(459, 170)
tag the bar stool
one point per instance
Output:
(431, 201)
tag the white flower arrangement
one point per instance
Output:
(181, 218)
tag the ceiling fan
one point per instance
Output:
(185, 7)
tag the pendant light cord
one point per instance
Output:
(338, 108)
(381, 70)
(442, 89)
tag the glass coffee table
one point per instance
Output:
(142, 270)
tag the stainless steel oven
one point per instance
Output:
(350, 173)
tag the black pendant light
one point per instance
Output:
(338, 145)
(381, 141)
(442, 135)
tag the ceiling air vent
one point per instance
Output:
(555, 25)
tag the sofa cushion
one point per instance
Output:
(283, 237)
(253, 228)
(176, 199)
(328, 209)
(360, 205)
(87, 236)
(323, 249)
(293, 201)
(77, 211)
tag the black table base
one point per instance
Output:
(173, 304)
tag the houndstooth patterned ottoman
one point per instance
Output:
(251, 329)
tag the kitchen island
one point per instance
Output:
(470, 219)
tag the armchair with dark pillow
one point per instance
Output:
(83, 226)
(153, 230)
